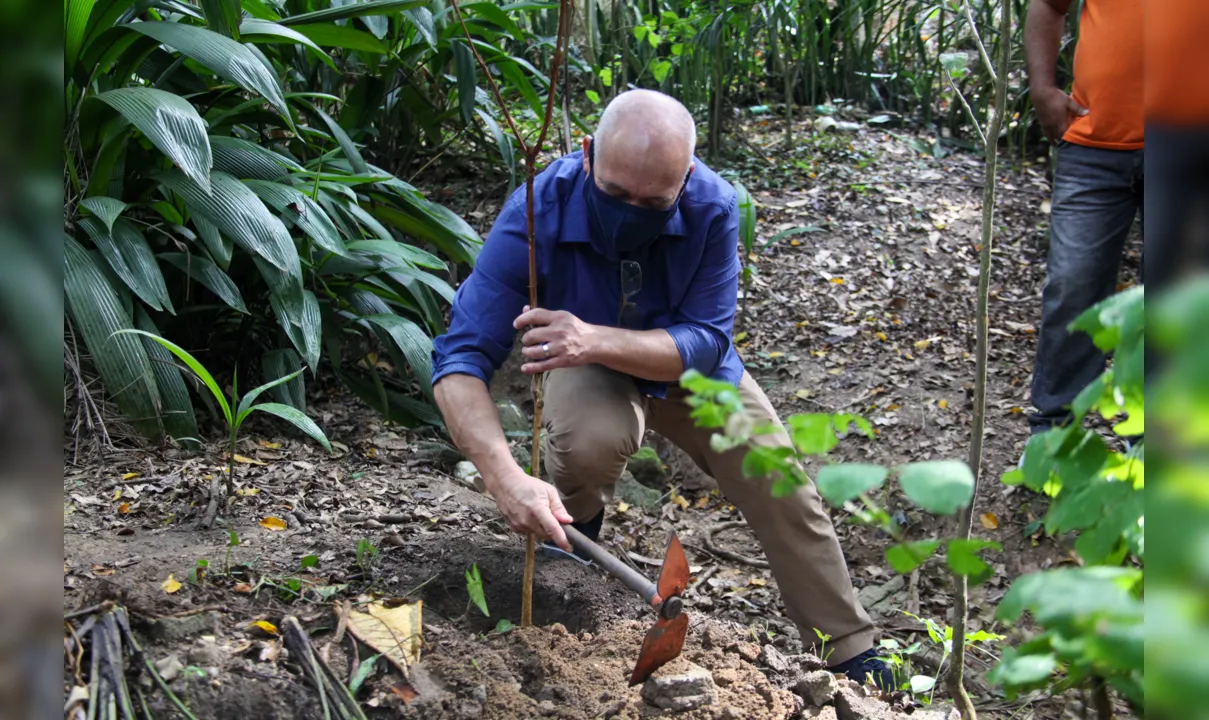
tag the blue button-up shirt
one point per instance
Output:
(689, 286)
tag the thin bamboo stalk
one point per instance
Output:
(530, 152)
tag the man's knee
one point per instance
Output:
(594, 424)
(593, 442)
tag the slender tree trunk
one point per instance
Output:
(955, 682)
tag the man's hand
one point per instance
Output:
(531, 506)
(1055, 110)
(557, 339)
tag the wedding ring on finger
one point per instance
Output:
(546, 349)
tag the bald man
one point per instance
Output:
(637, 261)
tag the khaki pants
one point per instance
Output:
(595, 419)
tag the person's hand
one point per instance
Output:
(1055, 110)
(557, 339)
(531, 506)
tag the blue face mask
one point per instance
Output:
(618, 227)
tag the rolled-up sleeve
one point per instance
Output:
(706, 318)
(480, 334)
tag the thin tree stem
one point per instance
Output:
(530, 152)
(961, 596)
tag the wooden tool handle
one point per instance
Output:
(633, 579)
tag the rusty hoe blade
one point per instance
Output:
(665, 640)
(673, 579)
(662, 644)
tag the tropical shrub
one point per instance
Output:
(218, 190)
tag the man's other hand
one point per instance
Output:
(556, 339)
(531, 506)
(1055, 110)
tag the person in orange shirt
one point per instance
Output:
(1098, 181)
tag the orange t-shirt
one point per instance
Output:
(1177, 61)
(1109, 76)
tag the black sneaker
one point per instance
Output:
(867, 666)
(590, 529)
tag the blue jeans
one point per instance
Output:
(1097, 193)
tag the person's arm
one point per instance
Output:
(1043, 28)
(478, 341)
(527, 503)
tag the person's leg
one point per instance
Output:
(594, 421)
(796, 532)
(1095, 200)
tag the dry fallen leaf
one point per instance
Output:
(130, 476)
(803, 394)
(882, 336)
(124, 508)
(171, 585)
(701, 502)
(394, 632)
(405, 691)
(758, 582)
(837, 281)
(989, 521)
(679, 500)
(623, 506)
(266, 626)
(273, 523)
(245, 492)
(268, 445)
(244, 588)
(247, 460)
(942, 404)
(101, 570)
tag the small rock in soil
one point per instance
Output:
(876, 597)
(631, 491)
(774, 660)
(817, 688)
(850, 704)
(682, 691)
(726, 676)
(182, 628)
(746, 650)
(468, 475)
(169, 667)
(206, 653)
(937, 713)
(647, 468)
(479, 694)
(823, 713)
(437, 454)
(511, 417)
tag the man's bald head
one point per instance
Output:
(644, 146)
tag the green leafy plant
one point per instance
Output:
(941, 487)
(220, 184)
(232, 542)
(366, 552)
(474, 588)
(243, 406)
(941, 635)
(1091, 616)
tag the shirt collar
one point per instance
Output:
(575, 217)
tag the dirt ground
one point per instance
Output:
(870, 311)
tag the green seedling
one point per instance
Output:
(366, 552)
(243, 406)
(474, 588)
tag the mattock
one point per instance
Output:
(665, 639)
